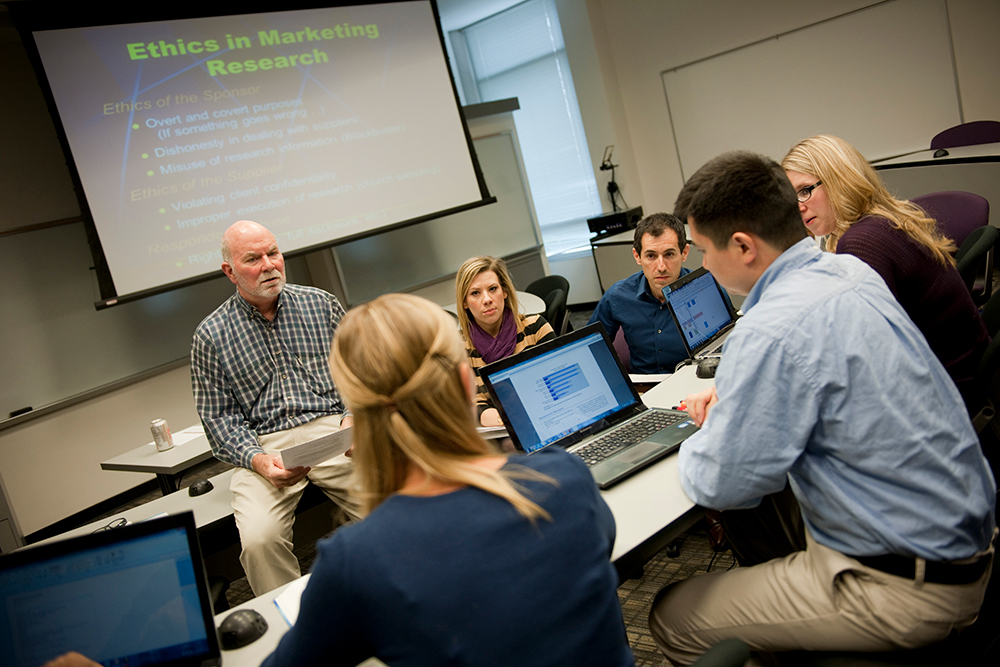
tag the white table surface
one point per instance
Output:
(643, 505)
(190, 448)
(956, 153)
(208, 508)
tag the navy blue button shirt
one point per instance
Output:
(654, 342)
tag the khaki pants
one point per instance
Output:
(817, 599)
(265, 514)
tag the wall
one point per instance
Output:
(633, 42)
(51, 465)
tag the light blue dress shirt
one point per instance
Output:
(826, 380)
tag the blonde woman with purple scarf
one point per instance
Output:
(492, 326)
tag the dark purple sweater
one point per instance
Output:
(934, 296)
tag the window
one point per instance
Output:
(520, 53)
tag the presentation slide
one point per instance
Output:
(321, 124)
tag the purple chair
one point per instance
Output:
(964, 218)
(621, 348)
(957, 213)
(968, 134)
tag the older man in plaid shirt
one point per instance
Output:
(261, 379)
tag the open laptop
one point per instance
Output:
(135, 595)
(572, 392)
(702, 312)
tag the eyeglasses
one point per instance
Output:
(115, 523)
(805, 193)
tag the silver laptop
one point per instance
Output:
(572, 392)
(702, 312)
(135, 595)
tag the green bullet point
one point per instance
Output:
(163, 210)
(145, 156)
(135, 126)
(166, 227)
(149, 173)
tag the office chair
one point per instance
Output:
(967, 134)
(555, 309)
(991, 314)
(974, 261)
(542, 288)
(957, 213)
(621, 348)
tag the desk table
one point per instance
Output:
(190, 448)
(650, 510)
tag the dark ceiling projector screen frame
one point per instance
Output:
(325, 124)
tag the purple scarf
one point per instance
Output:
(492, 349)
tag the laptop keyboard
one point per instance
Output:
(634, 432)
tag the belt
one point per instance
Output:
(936, 572)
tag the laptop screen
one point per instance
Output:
(700, 309)
(562, 387)
(129, 596)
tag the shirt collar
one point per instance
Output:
(645, 289)
(252, 311)
(800, 254)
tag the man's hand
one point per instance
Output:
(490, 417)
(269, 467)
(348, 422)
(699, 404)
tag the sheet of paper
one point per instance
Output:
(287, 601)
(653, 378)
(318, 450)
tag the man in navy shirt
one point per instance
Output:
(636, 304)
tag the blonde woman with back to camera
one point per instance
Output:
(842, 198)
(491, 323)
(465, 557)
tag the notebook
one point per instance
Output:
(572, 392)
(135, 595)
(702, 312)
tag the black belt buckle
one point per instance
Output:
(935, 572)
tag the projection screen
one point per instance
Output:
(323, 124)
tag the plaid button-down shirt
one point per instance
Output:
(252, 377)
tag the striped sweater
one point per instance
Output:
(531, 330)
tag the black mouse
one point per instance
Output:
(940, 152)
(706, 367)
(242, 627)
(200, 487)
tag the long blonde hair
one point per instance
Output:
(471, 268)
(396, 361)
(855, 190)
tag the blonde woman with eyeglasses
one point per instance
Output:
(465, 557)
(842, 198)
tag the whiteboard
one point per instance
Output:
(876, 77)
(422, 253)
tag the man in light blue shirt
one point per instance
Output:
(827, 383)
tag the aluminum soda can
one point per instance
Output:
(161, 435)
